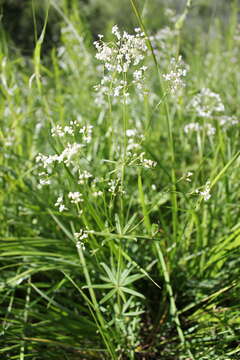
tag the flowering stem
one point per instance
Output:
(110, 124)
(169, 125)
(125, 125)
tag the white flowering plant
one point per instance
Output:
(119, 167)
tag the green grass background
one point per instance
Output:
(159, 278)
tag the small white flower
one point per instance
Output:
(59, 203)
(227, 121)
(57, 131)
(206, 103)
(86, 132)
(146, 162)
(69, 152)
(85, 175)
(97, 193)
(62, 207)
(188, 176)
(43, 182)
(196, 127)
(68, 130)
(175, 78)
(192, 127)
(131, 132)
(75, 197)
(115, 31)
(149, 163)
(80, 237)
(9, 141)
(210, 130)
(205, 193)
(80, 245)
(125, 54)
(112, 186)
(46, 160)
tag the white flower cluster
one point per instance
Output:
(70, 154)
(206, 103)
(79, 237)
(86, 130)
(84, 176)
(66, 156)
(114, 187)
(205, 193)
(96, 188)
(127, 50)
(133, 141)
(140, 160)
(227, 121)
(60, 204)
(125, 53)
(44, 180)
(188, 176)
(46, 161)
(138, 78)
(75, 197)
(113, 184)
(135, 157)
(196, 127)
(9, 140)
(148, 164)
(62, 131)
(98, 193)
(175, 77)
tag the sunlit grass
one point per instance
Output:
(123, 242)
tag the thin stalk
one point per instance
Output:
(34, 21)
(173, 307)
(169, 123)
(143, 204)
(125, 126)
(37, 53)
(179, 24)
(95, 303)
(110, 124)
(25, 319)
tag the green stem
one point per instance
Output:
(143, 204)
(173, 307)
(169, 123)
(95, 304)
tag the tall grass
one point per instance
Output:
(128, 248)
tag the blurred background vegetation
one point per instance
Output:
(17, 18)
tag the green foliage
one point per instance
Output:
(131, 248)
